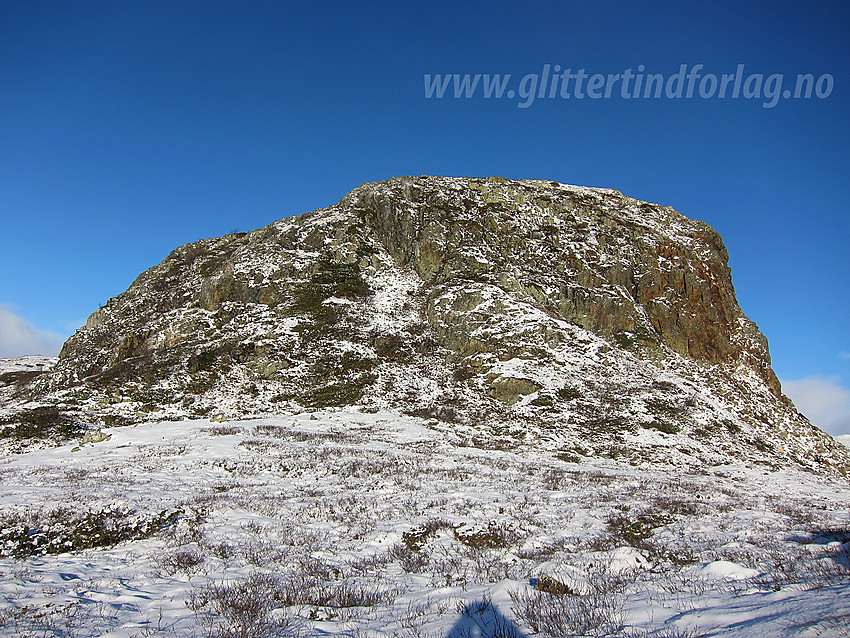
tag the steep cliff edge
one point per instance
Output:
(579, 318)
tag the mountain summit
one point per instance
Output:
(510, 310)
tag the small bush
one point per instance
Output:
(411, 560)
(567, 393)
(332, 279)
(663, 407)
(392, 347)
(185, 560)
(573, 454)
(242, 609)
(42, 423)
(343, 594)
(20, 379)
(338, 394)
(635, 529)
(445, 413)
(597, 613)
(612, 424)
(80, 618)
(417, 537)
(554, 479)
(260, 552)
(224, 430)
(494, 536)
(667, 427)
(625, 340)
(65, 529)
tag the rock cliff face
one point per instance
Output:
(585, 319)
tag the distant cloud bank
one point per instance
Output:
(18, 337)
(823, 400)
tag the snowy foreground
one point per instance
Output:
(343, 523)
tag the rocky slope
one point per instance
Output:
(584, 320)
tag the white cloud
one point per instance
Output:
(823, 400)
(18, 337)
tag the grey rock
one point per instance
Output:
(455, 298)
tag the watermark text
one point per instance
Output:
(689, 82)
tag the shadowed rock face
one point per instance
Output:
(572, 252)
(593, 257)
(484, 300)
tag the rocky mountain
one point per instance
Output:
(506, 311)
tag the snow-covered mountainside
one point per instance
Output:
(592, 323)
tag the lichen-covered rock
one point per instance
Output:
(510, 390)
(95, 436)
(523, 306)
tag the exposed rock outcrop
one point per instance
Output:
(603, 324)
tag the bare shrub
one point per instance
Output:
(76, 619)
(634, 529)
(317, 437)
(596, 613)
(343, 594)
(789, 565)
(830, 625)
(685, 583)
(488, 620)
(555, 478)
(358, 467)
(415, 615)
(220, 549)
(411, 560)
(547, 550)
(680, 504)
(447, 567)
(595, 478)
(187, 527)
(260, 552)
(242, 609)
(488, 566)
(261, 446)
(186, 559)
(297, 536)
(223, 430)
(779, 568)
(418, 536)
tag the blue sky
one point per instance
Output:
(128, 128)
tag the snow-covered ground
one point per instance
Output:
(14, 371)
(347, 523)
(29, 363)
